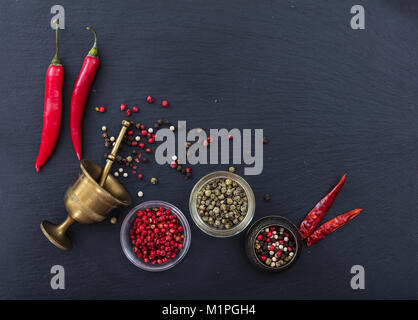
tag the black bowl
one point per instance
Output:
(271, 221)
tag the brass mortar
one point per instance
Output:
(90, 198)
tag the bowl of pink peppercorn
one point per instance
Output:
(155, 236)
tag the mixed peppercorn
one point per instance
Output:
(156, 235)
(275, 246)
(222, 203)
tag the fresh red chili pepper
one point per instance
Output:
(80, 93)
(313, 218)
(52, 107)
(331, 225)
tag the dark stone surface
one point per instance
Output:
(330, 99)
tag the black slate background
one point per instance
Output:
(331, 100)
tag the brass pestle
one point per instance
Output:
(90, 198)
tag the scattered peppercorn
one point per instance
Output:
(232, 169)
(265, 140)
(122, 107)
(267, 197)
(135, 109)
(154, 180)
(164, 103)
(150, 99)
(113, 220)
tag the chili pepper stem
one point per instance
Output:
(56, 60)
(93, 50)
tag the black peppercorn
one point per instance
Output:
(138, 126)
(160, 122)
(267, 197)
(265, 140)
(179, 168)
(167, 123)
(145, 160)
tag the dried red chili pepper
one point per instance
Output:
(80, 93)
(331, 225)
(313, 218)
(52, 107)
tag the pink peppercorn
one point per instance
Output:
(135, 109)
(164, 103)
(150, 99)
(128, 112)
(122, 107)
(151, 241)
(102, 109)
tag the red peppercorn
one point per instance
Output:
(141, 145)
(150, 99)
(148, 150)
(151, 140)
(269, 234)
(134, 143)
(260, 237)
(135, 109)
(140, 176)
(128, 112)
(173, 164)
(263, 258)
(188, 170)
(102, 109)
(144, 132)
(122, 107)
(164, 103)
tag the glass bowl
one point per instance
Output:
(222, 233)
(266, 222)
(127, 245)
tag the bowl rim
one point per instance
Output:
(218, 233)
(263, 223)
(126, 225)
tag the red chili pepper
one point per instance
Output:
(331, 225)
(313, 218)
(80, 93)
(52, 107)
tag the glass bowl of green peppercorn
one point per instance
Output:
(222, 204)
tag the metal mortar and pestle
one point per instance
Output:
(90, 198)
